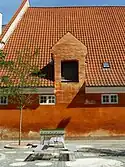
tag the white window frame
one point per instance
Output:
(109, 95)
(6, 100)
(47, 99)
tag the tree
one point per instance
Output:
(21, 73)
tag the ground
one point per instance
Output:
(9, 157)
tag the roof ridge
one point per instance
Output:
(12, 19)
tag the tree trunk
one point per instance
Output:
(20, 126)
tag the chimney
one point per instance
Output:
(0, 23)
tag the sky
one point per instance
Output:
(8, 7)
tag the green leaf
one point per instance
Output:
(6, 63)
(35, 71)
(42, 75)
(5, 79)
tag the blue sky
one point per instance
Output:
(8, 7)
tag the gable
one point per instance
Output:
(68, 45)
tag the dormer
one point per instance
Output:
(69, 59)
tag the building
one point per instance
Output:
(82, 52)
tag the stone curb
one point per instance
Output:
(11, 146)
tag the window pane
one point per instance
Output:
(3, 100)
(106, 99)
(114, 98)
(50, 101)
(43, 99)
(53, 97)
(53, 101)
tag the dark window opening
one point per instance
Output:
(69, 71)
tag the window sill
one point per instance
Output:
(47, 104)
(69, 81)
(3, 104)
(109, 103)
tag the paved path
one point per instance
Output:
(15, 157)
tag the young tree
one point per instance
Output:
(20, 73)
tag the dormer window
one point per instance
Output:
(106, 65)
(69, 71)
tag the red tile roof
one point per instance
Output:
(100, 29)
(5, 29)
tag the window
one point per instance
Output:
(3, 100)
(114, 99)
(109, 99)
(69, 71)
(47, 99)
(106, 65)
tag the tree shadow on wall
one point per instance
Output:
(14, 106)
(63, 123)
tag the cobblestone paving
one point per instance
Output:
(11, 157)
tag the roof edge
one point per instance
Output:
(10, 27)
(79, 6)
(105, 86)
(105, 89)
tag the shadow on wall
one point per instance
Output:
(33, 105)
(46, 72)
(15, 107)
(83, 100)
(64, 123)
(79, 100)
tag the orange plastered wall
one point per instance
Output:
(76, 120)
